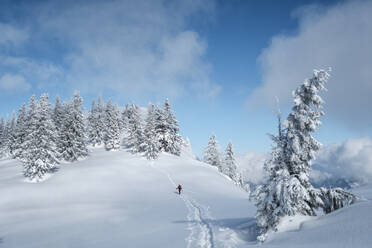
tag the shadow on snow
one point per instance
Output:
(245, 228)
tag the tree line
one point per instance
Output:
(41, 136)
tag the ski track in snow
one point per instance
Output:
(201, 232)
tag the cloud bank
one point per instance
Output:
(123, 47)
(349, 161)
(339, 37)
(252, 167)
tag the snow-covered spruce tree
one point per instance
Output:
(30, 125)
(5, 140)
(336, 198)
(166, 126)
(288, 190)
(151, 146)
(39, 156)
(20, 132)
(301, 146)
(135, 140)
(100, 122)
(112, 130)
(187, 144)
(12, 135)
(272, 200)
(58, 116)
(212, 153)
(96, 126)
(72, 140)
(229, 167)
(124, 119)
(188, 148)
(2, 127)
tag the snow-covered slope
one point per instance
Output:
(348, 227)
(116, 199)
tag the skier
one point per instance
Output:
(179, 188)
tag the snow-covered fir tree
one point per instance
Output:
(7, 131)
(20, 132)
(229, 167)
(91, 123)
(135, 140)
(58, 116)
(39, 155)
(100, 122)
(2, 129)
(336, 198)
(73, 140)
(272, 196)
(212, 153)
(187, 144)
(124, 119)
(12, 136)
(166, 126)
(112, 129)
(288, 190)
(188, 148)
(151, 145)
(301, 146)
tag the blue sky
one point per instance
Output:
(221, 63)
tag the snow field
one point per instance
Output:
(116, 199)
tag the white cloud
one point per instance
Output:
(130, 47)
(351, 159)
(11, 35)
(45, 74)
(252, 167)
(339, 37)
(14, 83)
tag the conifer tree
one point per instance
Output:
(188, 148)
(167, 129)
(6, 136)
(73, 139)
(112, 131)
(92, 125)
(39, 156)
(151, 143)
(212, 153)
(287, 191)
(12, 136)
(272, 196)
(57, 115)
(229, 165)
(100, 122)
(2, 129)
(20, 132)
(124, 120)
(301, 146)
(135, 137)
